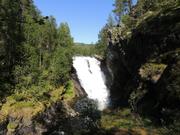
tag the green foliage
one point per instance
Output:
(84, 49)
(60, 65)
(29, 103)
(120, 119)
(35, 55)
(128, 14)
(11, 37)
(103, 37)
(144, 6)
(128, 21)
(122, 7)
(69, 91)
(64, 36)
(127, 121)
(102, 43)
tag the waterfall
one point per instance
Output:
(92, 79)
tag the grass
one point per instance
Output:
(56, 94)
(124, 120)
(33, 101)
(118, 119)
(121, 121)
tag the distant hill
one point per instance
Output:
(83, 44)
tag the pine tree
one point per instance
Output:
(64, 35)
(122, 7)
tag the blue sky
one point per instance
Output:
(85, 17)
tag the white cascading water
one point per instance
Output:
(92, 79)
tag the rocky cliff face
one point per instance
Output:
(79, 90)
(145, 66)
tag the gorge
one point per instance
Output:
(126, 83)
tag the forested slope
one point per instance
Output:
(35, 65)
